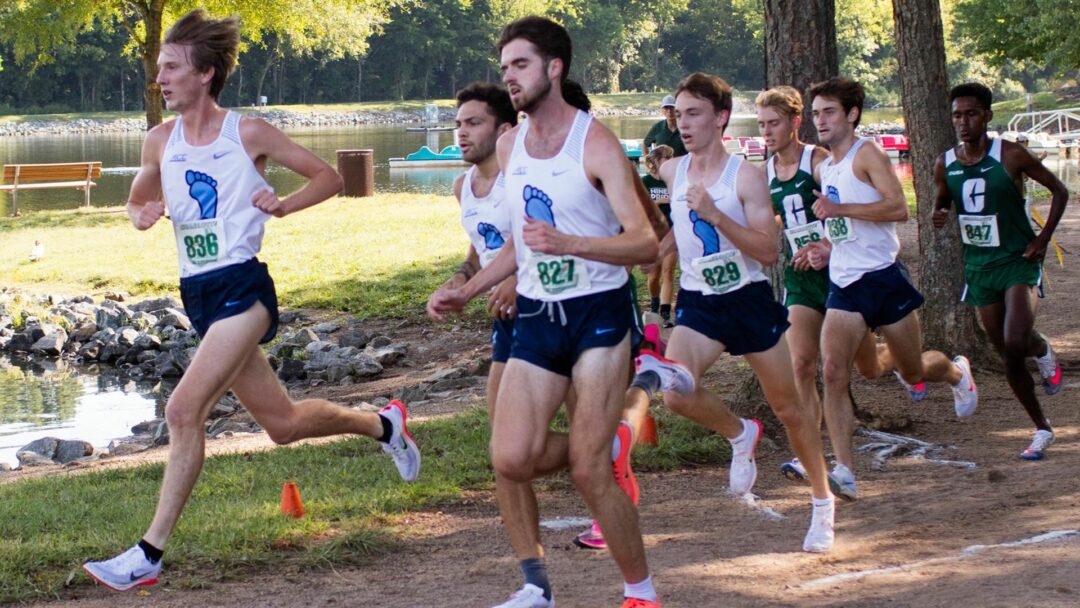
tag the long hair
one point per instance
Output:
(213, 44)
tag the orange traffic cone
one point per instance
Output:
(648, 432)
(291, 504)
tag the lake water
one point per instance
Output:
(36, 402)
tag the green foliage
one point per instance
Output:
(1040, 30)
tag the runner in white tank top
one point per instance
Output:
(208, 190)
(570, 189)
(861, 202)
(726, 231)
(208, 164)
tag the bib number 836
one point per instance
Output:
(556, 273)
(721, 275)
(201, 246)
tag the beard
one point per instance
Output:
(528, 103)
(480, 150)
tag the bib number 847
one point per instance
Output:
(979, 234)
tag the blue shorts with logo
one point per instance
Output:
(228, 291)
(552, 335)
(502, 337)
(746, 321)
(882, 297)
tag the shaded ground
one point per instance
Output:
(707, 549)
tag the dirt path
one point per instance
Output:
(901, 544)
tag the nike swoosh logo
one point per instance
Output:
(799, 184)
(605, 331)
(556, 172)
(985, 169)
(137, 575)
(218, 155)
(232, 303)
(901, 307)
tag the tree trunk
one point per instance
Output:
(272, 56)
(800, 49)
(151, 12)
(924, 85)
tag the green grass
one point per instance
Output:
(1046, 100)
(232, 526)
(379, 256)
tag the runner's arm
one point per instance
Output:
(261, 139)
(145, 205)
(871, 165)
(942, 196)
(758, 239)
(1024, 161)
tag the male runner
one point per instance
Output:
(793, 177)
(208, 164)
(869, 287)
(1002, 256)
(661, 277)
(725, 231)
(576, 223)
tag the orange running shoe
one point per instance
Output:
(633, 602)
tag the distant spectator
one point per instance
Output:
(37, 251)
(665, 132)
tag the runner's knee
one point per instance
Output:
(515, 464)
(836, 372)
(679, 403)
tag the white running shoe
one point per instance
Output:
(743, 471)
(1039, 442)
(819, 538)
(401, 445)
(529, 596)
(125, 571)
(842, 482)
(673, 375)
(965, 394)
(917, 392)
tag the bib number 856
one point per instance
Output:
(556, 273)
(201, 246)
(721, 275)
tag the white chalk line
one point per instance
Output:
(1052, 536)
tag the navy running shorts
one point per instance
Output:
(882, 297)
(746, 321)
(228, 291)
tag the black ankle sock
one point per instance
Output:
(535, 572)
(151, 552)
(654, 304)
(665, 311)
(387, 429)
(648, 381)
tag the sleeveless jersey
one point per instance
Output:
(994, 226)
(656, 187)
(208, 191)
(859, 246)
(698, 240)
(485, 219)
(556, 190)
(793, 199)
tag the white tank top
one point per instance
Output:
(865, 246)
(486, 219)
(208, 191)
(557, 190)
(699, 240)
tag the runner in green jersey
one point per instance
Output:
(792, 172)
(1002, 255)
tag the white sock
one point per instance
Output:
(821, 502)
(642, 591)
(616, 447)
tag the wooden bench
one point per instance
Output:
(79, 176)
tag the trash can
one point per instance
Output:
(357, 170)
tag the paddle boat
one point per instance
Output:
(450, 156)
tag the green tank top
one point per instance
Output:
(994, 225)
(793, 199)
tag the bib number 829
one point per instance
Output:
(556, 273)
(201, 246)
(721, 275)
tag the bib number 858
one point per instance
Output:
(803, 241)
(201, 246)
(721, 275)
(556, 273)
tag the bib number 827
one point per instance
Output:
(201, 246)
(721, 275)
(556, 273)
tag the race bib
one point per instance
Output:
(558, 274)
(979, 230)
(488, 257)
(722, 272)
(801, 236)
(840, 229)
(201, 242)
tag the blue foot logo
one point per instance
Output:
(203, 189)
(833, 194)
(705, 231)
(492, 239)
(538, 205)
